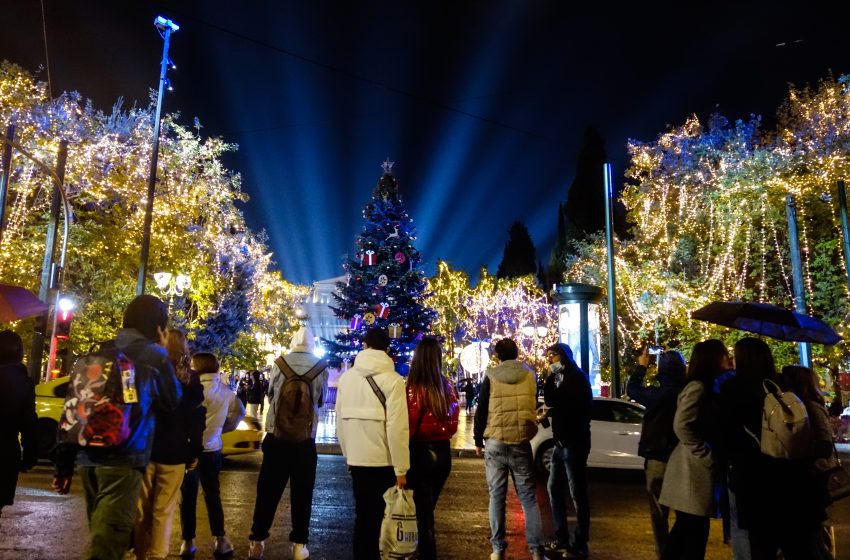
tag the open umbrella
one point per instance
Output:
(768, 320)
(18, 303)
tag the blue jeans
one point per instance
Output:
(500, 459)
(569, 464)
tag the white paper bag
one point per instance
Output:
(398, 529)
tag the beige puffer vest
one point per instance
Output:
(512, 414)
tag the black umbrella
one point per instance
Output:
(768, 320)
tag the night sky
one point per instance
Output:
(481, 104)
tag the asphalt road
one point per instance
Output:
(42, 525)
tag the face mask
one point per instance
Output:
(556, 367)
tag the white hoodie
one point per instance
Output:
(367, 437)
(224, 410)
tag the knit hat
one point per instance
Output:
(302, 341)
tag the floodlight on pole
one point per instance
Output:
(165, 27)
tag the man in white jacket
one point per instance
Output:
(371, 424)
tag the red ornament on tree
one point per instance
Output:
(400, 258)
(383, 310)
(369, 258)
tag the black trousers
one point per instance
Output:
(430, 465)
(687, 538)
(206, 474)
(283, 462)
(369, 485)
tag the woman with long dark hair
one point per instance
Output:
(689, 481)
(432, 412)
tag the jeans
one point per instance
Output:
(369, 485)
(111, 496)
(501, 459)
(739, 538)
(658, 514)
(283, 461)
(687, 538)
(569, 464)
(207, 474)
(430, 465)
(157, 502)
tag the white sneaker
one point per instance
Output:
(256, 550)
(222, 547)
(187, 549)
(497, 555)
(300, 552)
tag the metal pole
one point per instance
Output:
(584, 338)
(845, 229)
(612, 281)
(146, 232)
(4, 179)
(797, 270)
(49, 276)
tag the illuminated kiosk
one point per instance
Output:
(578, 326)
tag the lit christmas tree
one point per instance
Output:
(383, 286)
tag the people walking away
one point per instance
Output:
(373, 432)
(17, 417)
(776, 515)
(568, 396)
(130, 380)
(803, 382)
(256, 395)
(657, 438)
(223, 413)
(506, 418)
(469, 393)
(691, 474)
(297, 387)
(177, 445)
(432, 410)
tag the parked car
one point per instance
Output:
(50, 398)
(614, 436)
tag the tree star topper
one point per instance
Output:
(388, 165)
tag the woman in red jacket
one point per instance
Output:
(432, 412)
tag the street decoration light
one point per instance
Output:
(172, 286)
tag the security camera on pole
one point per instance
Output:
(165, 27)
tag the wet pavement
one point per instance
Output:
(43, 525)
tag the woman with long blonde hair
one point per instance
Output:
(432, 412)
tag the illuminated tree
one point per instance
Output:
(384, 286)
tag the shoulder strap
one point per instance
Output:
(314, 371)
(377, 391)
(284, 368)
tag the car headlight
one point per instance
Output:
(243, 425)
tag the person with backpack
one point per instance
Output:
(256, 395)
(433, 411)
(373, 432)
(770, 501)
(129, 379)
(223, 413)
(690, 485)
(17, 416)
(657, 438)
(177, 445)
(297, 389)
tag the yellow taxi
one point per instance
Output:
(50, 398)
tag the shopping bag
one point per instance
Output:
(398, 529)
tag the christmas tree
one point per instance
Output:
(383, 286)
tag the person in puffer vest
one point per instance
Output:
(507, 418)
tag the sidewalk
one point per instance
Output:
(462, 443)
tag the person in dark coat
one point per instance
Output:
(17, 416)
(469, 392)
(657, 439)
(568, 394)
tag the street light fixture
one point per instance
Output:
(172, 286)
(165, 27)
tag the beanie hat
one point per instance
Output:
(302, 341)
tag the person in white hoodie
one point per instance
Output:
(224, 412)
(286, 455)
(372, 428)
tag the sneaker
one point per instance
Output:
(578, 551)
(300, 552)
(256, 550)
(557, 546)
(222, 547)
(187, 549)
(500, 555)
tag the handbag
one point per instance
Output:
(836, 480)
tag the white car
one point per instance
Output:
(614, 436)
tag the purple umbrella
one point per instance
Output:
(768, 320)
(18, 303)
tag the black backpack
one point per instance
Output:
(294, 415)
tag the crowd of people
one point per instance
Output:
(702, 439)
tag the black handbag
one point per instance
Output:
(836, 480)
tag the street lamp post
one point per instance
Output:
(165, 27)
(172, 286)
